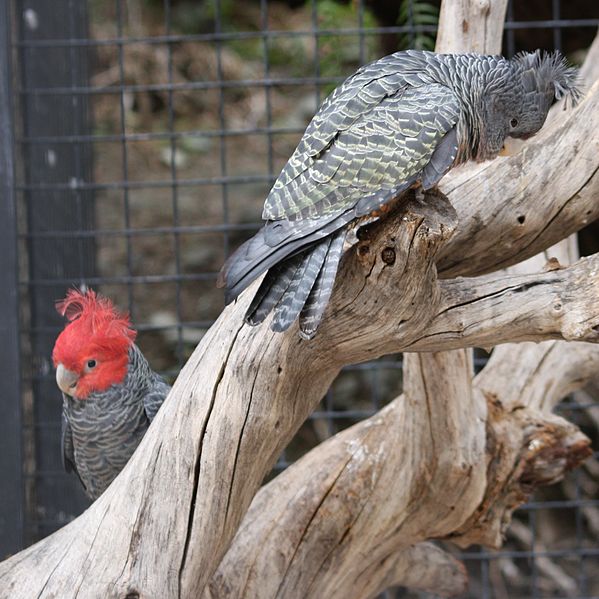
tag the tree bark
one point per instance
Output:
(162, 528)
(447, 459)
(471, 26)
(292, 538)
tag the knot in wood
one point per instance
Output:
(388, 256)
(484, 6)
(552, 264)
(132, 595)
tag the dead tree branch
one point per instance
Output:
(161, 530)
(439, 462)
(293, 537)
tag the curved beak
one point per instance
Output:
(66, 379)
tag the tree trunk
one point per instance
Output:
(451, 459)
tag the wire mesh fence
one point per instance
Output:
(145, 136)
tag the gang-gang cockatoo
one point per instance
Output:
(110, 393)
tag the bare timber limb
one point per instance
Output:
(161, 530)
(435, 463)
(471, 26)
(423, 567)
(198, 469)
(526, 446)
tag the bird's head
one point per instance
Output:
(543, 78)
(92, 352)
(518, 97)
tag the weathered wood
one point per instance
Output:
(162, 528)
(198, 469)
(209, 444)
(290, 521)
(380, 484)
(364, 470)
(471, 26)
(589, 72)
(492, 309)
(423, 567)
(411, 472)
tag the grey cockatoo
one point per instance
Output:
(401, 121)
(110, 393)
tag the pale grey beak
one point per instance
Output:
(66, 380)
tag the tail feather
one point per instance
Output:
(271, 290)
(268, 248)
(313, 310)
(293, 300)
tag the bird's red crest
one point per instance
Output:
(96, 314)
(96, 331)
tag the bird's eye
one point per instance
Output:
(514, 123)
(91, 363)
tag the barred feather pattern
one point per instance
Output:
(294, 298)
(100, 433)
(313, 310)
(271, 290)
(402, 120)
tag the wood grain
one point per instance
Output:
(162, 528)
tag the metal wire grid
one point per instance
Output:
(376, 382)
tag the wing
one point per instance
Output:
(67, 447)
(154, 399)
(348, 103)
(391, 142)
(407, 137)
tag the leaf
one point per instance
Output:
(413, 13)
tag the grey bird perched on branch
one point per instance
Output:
(110, 393)
(401, 121)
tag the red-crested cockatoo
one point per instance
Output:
(110, 393)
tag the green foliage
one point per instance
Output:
(415, 12)
(340, 54)
(194, 16)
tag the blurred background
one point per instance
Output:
(138, 141)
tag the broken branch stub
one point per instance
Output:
(526, 449)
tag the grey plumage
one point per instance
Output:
(100, 433)
(403, 120)
(290, 305)
(314, 307)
